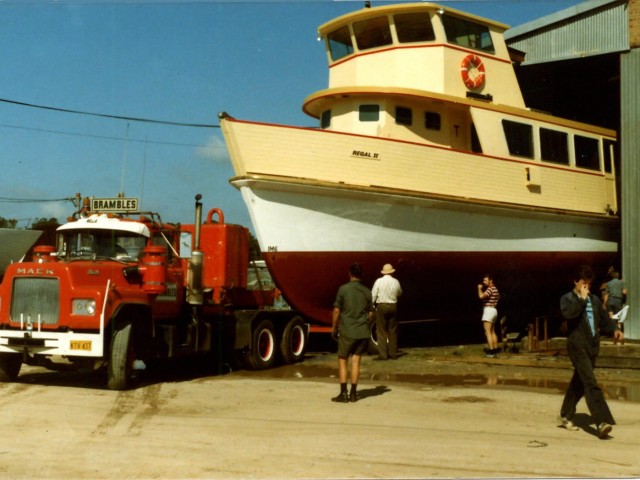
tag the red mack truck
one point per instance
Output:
(122, 288)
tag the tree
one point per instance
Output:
(254, 248)
(8, 222)
(48, 228)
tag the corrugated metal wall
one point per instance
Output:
(599, 27)
(591, 32)
(630, 152)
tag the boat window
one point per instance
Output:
(519, 138)
(467, 34)
(554, 146)
(369, 113)
(325, 119)
(475, 140)
(610, 154)
(371, 33)
(586, 152)
(432, 121)
(404, 116)
(340, 43)
(414, 27)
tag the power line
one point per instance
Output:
(105, 115)
(104, 137)
(34, 200)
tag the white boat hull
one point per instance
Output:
(309, 235)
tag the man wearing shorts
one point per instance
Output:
(489, 295)
(352, 314)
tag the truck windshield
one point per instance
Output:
(117, 245)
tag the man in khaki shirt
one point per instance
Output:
(385, 293)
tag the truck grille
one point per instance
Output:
(33, 297)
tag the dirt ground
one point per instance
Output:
(432, 413)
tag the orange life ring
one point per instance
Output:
(472, 64)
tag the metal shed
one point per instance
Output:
(583, 63)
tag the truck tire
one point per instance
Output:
(121, 358)
(263, 346)
(294, 341)
(10, 364)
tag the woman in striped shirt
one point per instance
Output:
(488, 293)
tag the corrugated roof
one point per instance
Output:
(593, 27)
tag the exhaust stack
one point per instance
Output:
(194, 276)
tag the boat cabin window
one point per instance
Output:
(414, 27)
(372, 33)
(554, 146)
(519, 138)
(325, 119)
(467, 34)
(432, 121)
(340, 43)
(404, 116)
(587, 155)
(369, 113)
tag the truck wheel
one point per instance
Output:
(121, 358)
(294, 341)
(10, 364)
(263, 346)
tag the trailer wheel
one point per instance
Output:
(294, 341)
(121, 358)
(263, 346)
(10, 364)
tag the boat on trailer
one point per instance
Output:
(426, 157)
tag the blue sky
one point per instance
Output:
(175, 61)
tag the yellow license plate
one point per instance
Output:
(84, 345)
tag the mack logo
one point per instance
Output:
(35, 271)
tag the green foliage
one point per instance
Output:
(8, 222)
(48, 227)
(254, 248)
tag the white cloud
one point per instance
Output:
(215, 149)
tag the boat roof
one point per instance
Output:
(403, 8)
(105, 222)
(315, 103)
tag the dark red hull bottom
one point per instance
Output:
(441, 285)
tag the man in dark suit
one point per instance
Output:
(585, 319)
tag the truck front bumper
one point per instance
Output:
(52, 343)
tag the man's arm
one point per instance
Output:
(481, 294)
(571, 306)
(335, 322)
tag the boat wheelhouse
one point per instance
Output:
(425, 156)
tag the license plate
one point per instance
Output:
(84, 345)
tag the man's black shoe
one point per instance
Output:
(353, 397)
(343, 397)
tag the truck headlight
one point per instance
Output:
(83, 306)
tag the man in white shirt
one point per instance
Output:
(385, 293)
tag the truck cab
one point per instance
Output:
(115, 290)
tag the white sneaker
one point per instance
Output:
(566, 423)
